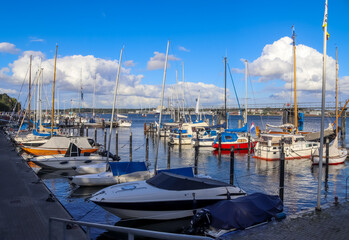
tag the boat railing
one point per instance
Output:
(131, 232)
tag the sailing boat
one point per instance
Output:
(236, 137)
(336, 155)
(295, 145)
(113, 172)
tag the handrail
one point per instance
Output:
(131, 232)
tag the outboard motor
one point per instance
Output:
(200, 222)
(110, 155)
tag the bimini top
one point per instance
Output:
(175, 182)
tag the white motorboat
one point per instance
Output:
(124, 123)
(337, 155)
(205, 140)
(188, 131)
(268, 147)
(70, 160)
(120, 172)
(164, 196)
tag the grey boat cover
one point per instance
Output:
(244, 211)
(175, 182)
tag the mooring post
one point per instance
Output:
(81, 130)
(95, 135)
(147, 148)
(196, 160)
(232, 163)
(145, 128)
(165, 130)
(282, 170)
(219, 145)
(343, 123)
(180, 140)
(105, 139)
(249, 147)
(130, 146)
(116, 143)
(86, 131)
(168, 156)
(327, 159)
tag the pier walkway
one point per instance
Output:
(331, 223)
(25, 202)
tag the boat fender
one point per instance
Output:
(63, 162)
(280, 216)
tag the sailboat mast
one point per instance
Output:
(178, 110)
(183, 90)
(336, 92)
(225, 92)
(324, 25)
(162, 102)
(115, 93)
(245, 120)
(295, 82)
(53, 93)
(30, 87)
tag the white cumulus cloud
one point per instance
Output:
(72, 71)
(183, 49)
(276, 63)
(6, 47)
(158, 61)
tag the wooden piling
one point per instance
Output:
(95, 135)
(168, 156)
(130, 146)
(232, 163)
(116, 143)
(327, 160)
(105, 139)
(147, 148)
(219, 145)
(282, 170)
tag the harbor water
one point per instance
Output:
(252, 175)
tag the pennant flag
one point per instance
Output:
(252, 128)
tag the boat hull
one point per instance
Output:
(237, 146)
(142, 200)
(61, 162)
(48, 151)
(107, 178)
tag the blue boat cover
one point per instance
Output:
(245, 211)
(186, 171)
(122, 168)
(24, 126)
(243, 129)
(227, 137)
(46, 134)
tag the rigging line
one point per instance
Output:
(19, 94)
(231, 77)
(254, 97)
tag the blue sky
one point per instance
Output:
(201, 33)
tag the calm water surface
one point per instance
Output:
(252, 175)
